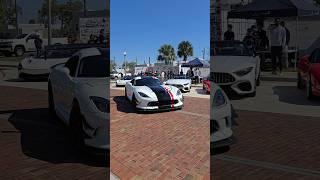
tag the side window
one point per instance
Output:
(72, 64)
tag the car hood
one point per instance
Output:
(40, 63)
(231, 63)
(94, 86)
(178, 81)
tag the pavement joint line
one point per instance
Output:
(268, 165)
(194, 114)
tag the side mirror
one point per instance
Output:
(66, 70)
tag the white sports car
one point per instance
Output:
(181, 82)
(222, 119)
(123, 81)
(79, 96)
(236, 67)
(39, 67)
(149, 94)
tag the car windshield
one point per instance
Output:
(150, 81)
(231, 49)
(21, 36)
(94, 66)
(127, 78)
(179, 77)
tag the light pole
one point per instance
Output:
(84, 8)
(125, 63)
(16, 12)
(49, 22)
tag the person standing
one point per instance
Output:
(229, 34)
(277, 42)
(196, 76)
(38, 44)
(286, 48)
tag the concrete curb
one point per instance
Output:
(11, 66)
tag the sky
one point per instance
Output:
(30, 10)
(140, 27)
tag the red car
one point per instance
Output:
(309, 73)
(206, 85)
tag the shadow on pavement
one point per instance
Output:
(46, 138)
(293, 95)
(123, 105)
(201, 91)
(218, 151)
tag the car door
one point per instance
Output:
(68, 83)
(306, 62)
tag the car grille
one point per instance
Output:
(162, 103)
(221, 78)
(176, 85)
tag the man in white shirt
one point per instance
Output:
(277, 44)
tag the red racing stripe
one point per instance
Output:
(171, 97)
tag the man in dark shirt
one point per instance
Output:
(262, 37)
(287, 32)
(229, 34)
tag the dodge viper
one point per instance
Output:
(78, 93)
(222, 118)
(149, 94)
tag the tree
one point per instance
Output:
(185, 49)
(44, 11)
(167, 54)
(113, 65)
(130, 66)
(65, 12)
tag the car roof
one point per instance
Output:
(92, 52)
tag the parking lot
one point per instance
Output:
(160, 145)
(36, 145)
(276, 138)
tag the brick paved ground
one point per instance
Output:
(36, 146)
(169, 145)
(280, 139)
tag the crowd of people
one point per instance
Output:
(194, 74)
(257, 39)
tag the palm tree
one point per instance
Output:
(185, 49)
(167, 54)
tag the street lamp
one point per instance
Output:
(125, 63)
(49, 22)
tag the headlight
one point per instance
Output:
(186, 84)
(178, 93)
(101, 103)
(219, 99)
(143, 94)
(244, 71)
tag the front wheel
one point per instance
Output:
(19, 51)
(76, 124)
(309, 90)
(51, 100)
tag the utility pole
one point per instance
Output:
(16, 12)
(49, 22)
(84, 8)
(203, 53)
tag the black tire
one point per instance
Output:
(134, 101)
(310, 95)
(299, 82)
(51, 101)
(19, 51)
(76, 125)
(258, 82)
(125, 93)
